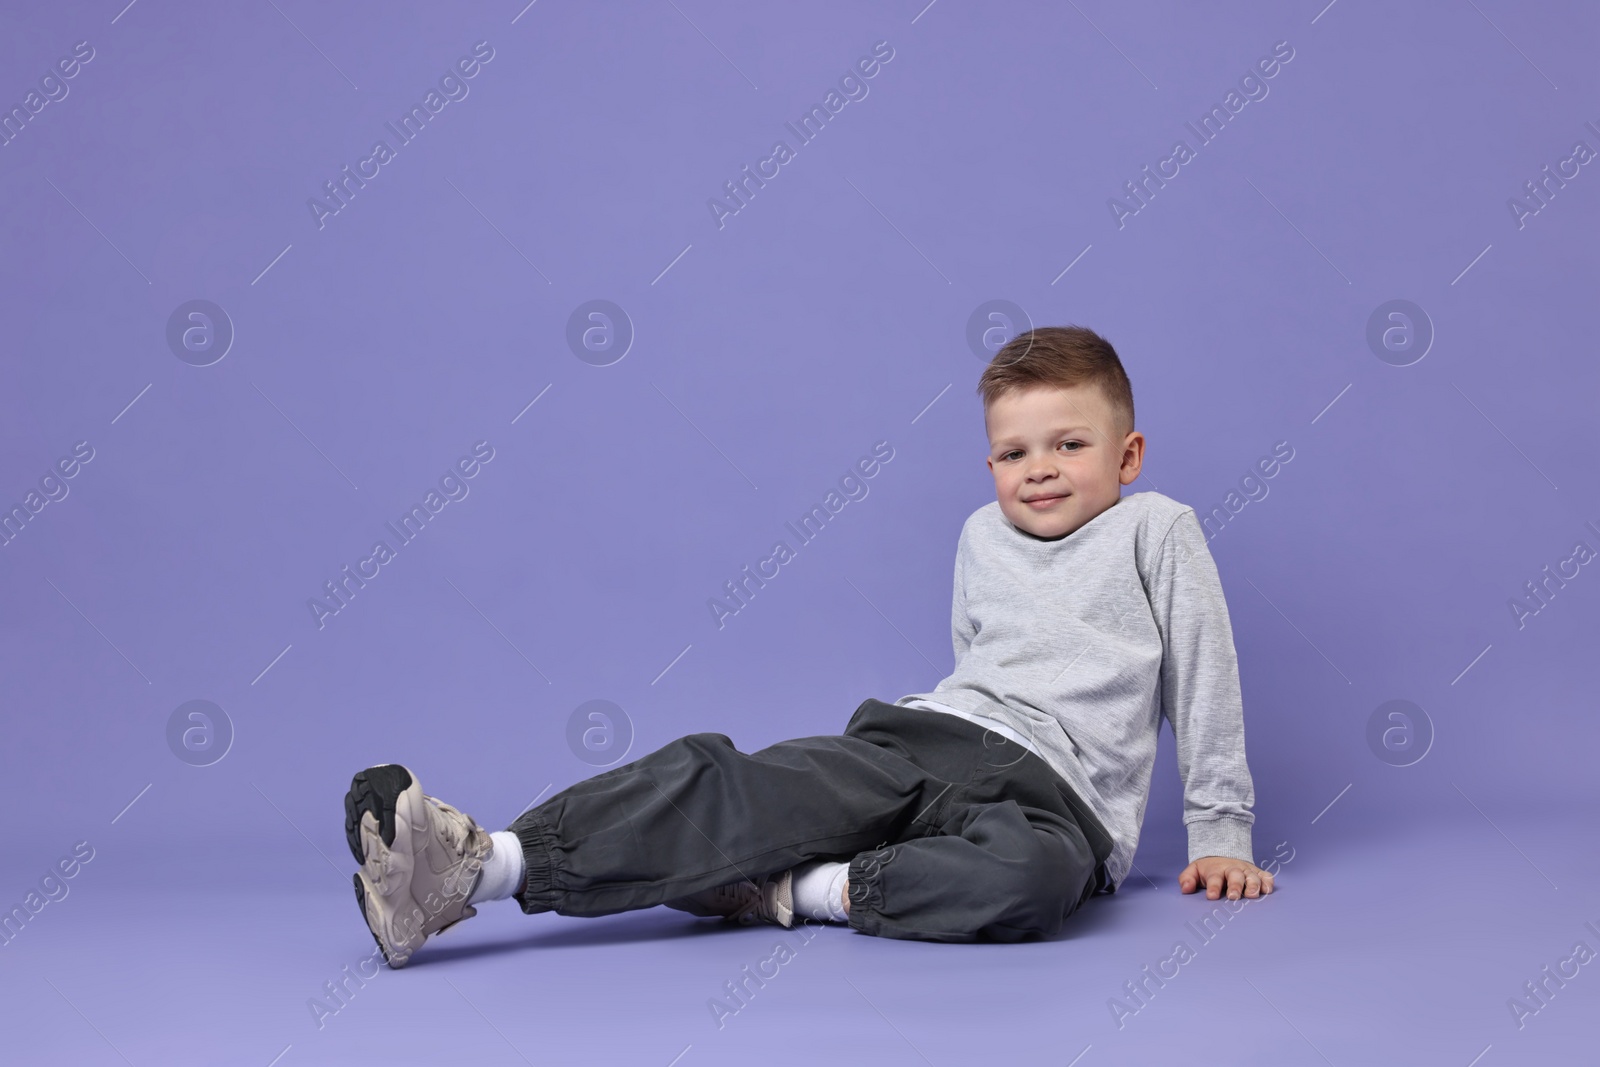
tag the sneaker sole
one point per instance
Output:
(361, 902)
(376, 790)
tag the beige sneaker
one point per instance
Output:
(769, 898)
(420, 859)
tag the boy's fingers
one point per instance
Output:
(1263, 883)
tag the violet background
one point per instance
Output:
(769, 355)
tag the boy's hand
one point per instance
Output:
(1217, 872)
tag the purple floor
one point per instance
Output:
(1405, 949)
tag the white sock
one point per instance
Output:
(819, 890)
(502, 869)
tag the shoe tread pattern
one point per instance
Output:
(361, 902)
(374, 789)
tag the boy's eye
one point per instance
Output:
(1077, 446)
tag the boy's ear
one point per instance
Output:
(1132, 457)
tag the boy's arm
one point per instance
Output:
(961, 629)
(1200, 693)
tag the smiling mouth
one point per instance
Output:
(1045, 501)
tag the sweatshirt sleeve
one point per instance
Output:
(961, 629)
(1200, 693)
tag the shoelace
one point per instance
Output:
(452, 823)
(454, 829)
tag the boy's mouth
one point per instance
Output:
(1039, 503)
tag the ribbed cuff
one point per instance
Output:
(534, 835)
(866, 898)
(1224, 836)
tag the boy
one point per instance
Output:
(988, 809)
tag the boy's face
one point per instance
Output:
(1056, 457)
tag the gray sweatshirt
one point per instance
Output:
(1079, 646)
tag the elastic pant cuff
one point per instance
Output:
(534, 834)
(866, 897)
